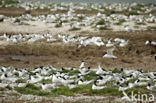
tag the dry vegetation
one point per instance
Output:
(12, 11)
(136, 55)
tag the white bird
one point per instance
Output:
(123, 88)
(66, 81)
(110, 43)
(47, 86)
(105, 80)
(3, 69)
(110, 53)
(21, 84)
(71, 86)
(81, 82)
(3, 76)
(34, 80)
(6, 78)
(132, 85)
(150, 87)
(96, 87)
(82, 64)
(125, 97)
(123, 44)
(3, 85)
(150, 42)
(100, 70)
(56, 80)
(139, 83)
(144, 78)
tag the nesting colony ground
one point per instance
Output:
(133, 25)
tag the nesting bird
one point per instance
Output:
(109, 53)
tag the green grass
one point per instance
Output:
(132, 80)
(91, 76)
(58, 25)
(9, 2)
(2, 89)
(46, 81)
(65, 71)
(151, 28)
(138, 90)
(129, 81)
(133, 13)
(74, 72)
(53, 71)
(74, 29)
(110, 83)
(116, 70)
(62, 91)
(87, 90)
(23, 90)
(32, 86)
(31, 89)
(101, 22)
(109, 91)
(20, 81)
(17, 74)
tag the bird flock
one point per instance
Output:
(100, 20)
(121, 79)
(81, 41)
(67, 39)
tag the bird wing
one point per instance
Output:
(110, 51)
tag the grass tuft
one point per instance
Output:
(116, 71)
(74, 29)
(74, 72)
(17, 74)
(101, 22)
(32, 86)
(91, 76)
(20, 81)
(2, 89)
(46, 81)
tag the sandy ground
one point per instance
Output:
(38, 27)
(41, 27)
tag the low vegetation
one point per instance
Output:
(87, 90)
(101, 22)
(20, 81)
(120, 22)
(82, 89)
(58, 25)
(46, 81)
(110, 89)
(74, 29)
(2, 89)
(6, 2)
